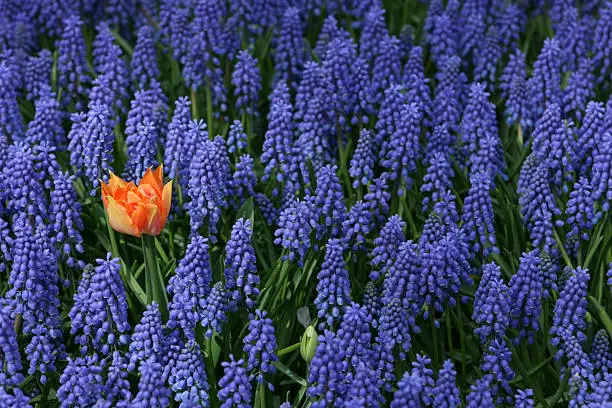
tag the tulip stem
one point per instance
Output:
(113, 239)
(154, 281)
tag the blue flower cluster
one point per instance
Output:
(374, 204)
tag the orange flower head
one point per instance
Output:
(137, 210)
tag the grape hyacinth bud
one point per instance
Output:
(398, 283)
(510, 24)
(145, 71)
(18, 399)
(236, 137)
(152, 392)
(37, 75)
(214, 309)
(387, 67)
(538, 205)
(329, 200)
(395, 325)
(491, 306)
(108, 62)
(439, 141)
(11, 122)
(513, 85)
(374, 30)
(386, 246)
(100, 308)
(329, 32)
(362, 163)
(443, 40)
(496, 362)
(580, 90)
(364, 390)
(446, 393)
(333, 287)
(94, 151)
(173, 151)
(208, 184)
(47, 123)
(479, 128)
(189, 286)
(148, 106)
(295, 226)
(244, 179)
(117, 386)
(72, 61)
(278, 143)
(481, 394)
(524, 399)
(188, 377)
(570, 308)
(247, 83)
(417, 84)
(402, 152)
(581, 213)
(234, 386)
(438, 179)
(545, 81)
(290, 57)
(326, 377)
(526, 290)
(354, 336)
(81, 382)
(421, 367)
(147, 340)
(142, 151)
(554, 144)
(478, 218)
(10, 374)
(588, 137)
(260, 345)
(601, 175)
(444, 270)
(408, 392)
(240, 271)
(389, 116)
(337, 65)
(488, 58)
(24, 184)
(602, 52)
(267, 208)
(601, 352)
(357, 225)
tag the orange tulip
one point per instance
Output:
(137, 210)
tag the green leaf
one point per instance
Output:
(155, 288)
(247, 211)
(136, 289)
(287, 371)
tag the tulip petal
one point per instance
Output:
(166, 200)
(155, 223)
(119, 219)
(115, 182)
(153, 179)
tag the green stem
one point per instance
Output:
(154, 282)
(289, 349)
(210, 369)
(601, 313)
(434, 337)
(209, 112)
(262, 395)
(564, 255)
(194, 103)
(113, 238)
